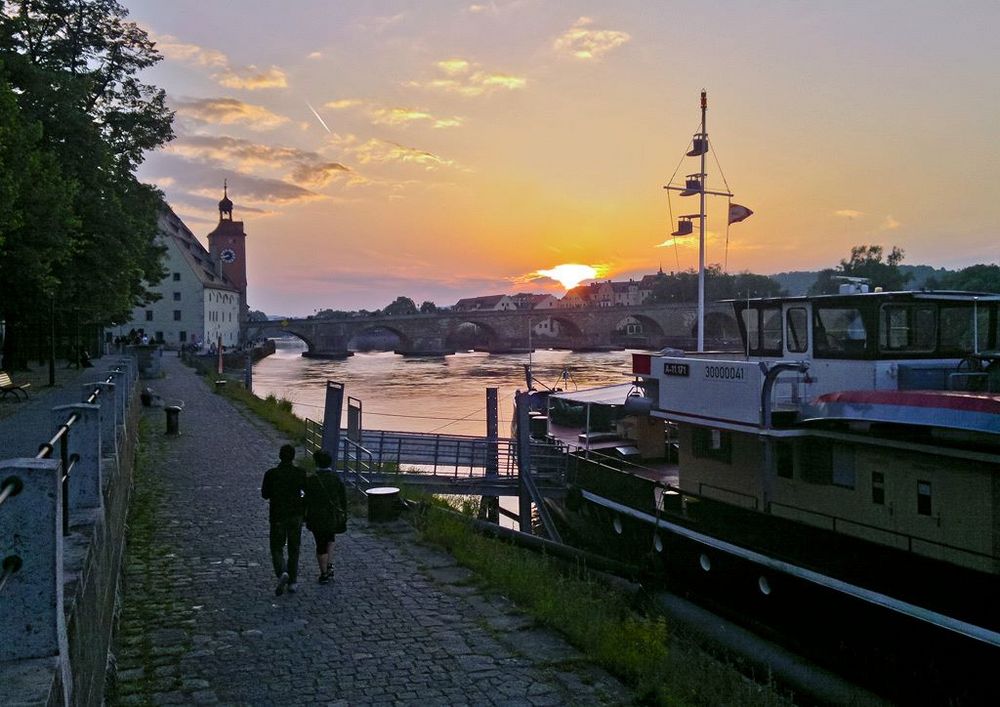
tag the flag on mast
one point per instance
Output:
(737, 213)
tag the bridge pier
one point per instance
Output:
(331, 355)
(425, 346)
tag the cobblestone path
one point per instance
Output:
(400, 624)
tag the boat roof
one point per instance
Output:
(975, 412)
(901, 295)
(605, 395)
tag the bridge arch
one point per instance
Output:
(276, 330)
(457, 336)
(404, 340)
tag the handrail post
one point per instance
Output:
(83, 442)
(118, 377)
(31, 608)
(106, 402)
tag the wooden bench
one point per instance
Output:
(9, 387)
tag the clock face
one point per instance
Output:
(228, 255)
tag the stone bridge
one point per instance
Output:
(585, 329)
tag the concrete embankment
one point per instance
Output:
(400, 623)
(57, 604)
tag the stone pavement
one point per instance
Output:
(400, 624)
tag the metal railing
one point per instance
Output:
(13, 485)
(841, 525)
(382, 452)
(67, 460)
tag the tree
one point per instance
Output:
(72, 66)
(683, 286)
(428, 307)
(868, 262)
(34, 213)
(401, 305)
(975, 278)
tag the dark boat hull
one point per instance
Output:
(904, 626)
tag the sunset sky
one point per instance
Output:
(443, 149)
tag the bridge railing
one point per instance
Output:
(37, 496)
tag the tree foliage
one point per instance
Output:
(683, 286)
(428, 307)
(401, 305)
(975, 278)
(80, 245)
(869, 262)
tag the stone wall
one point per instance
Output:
(58, 608)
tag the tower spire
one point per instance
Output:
(225, 205)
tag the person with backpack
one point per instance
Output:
(326, 511)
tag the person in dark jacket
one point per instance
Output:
(326, 511)
(283, 486)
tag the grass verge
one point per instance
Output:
(277, 411)
(610, 626)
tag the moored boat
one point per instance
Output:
(837, 481)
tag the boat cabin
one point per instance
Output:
(845, 407)
(872, 326)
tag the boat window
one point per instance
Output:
(709, 443)
(839, 332)
(908, 328)
(763, 330)
(878, 488)
(784, 459)
(797, 323)
(960, 324)
(751, 327)
(842, 466)
(771, 330)
(924, 498)
(817, 461)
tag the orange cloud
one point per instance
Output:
(248, 77)
(251, 79)
(580, 42)
(172, 48)
(227, 111)
(467, 79)
(397, 116)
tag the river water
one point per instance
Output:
(445, 394)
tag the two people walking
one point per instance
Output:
(295, 495)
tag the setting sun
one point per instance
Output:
(570, 275)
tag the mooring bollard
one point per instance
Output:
(383, 504)
(173, 419)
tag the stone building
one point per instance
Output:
(203, 296)
(489, 302)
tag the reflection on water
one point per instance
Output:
(445, 394)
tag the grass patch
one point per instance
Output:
(277, 411)
(610, 626)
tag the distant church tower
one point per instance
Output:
(227, 246)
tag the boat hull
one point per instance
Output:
(890, 643)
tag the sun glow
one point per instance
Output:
(569, 275)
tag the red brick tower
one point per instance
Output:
(227, 246)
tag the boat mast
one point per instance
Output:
(695, 184)
(701, 235)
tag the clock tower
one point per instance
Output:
(227, 246)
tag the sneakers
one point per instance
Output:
(293, 587)
(282, 582)
(324, 578)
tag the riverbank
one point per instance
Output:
(401, 623)
(590, 612)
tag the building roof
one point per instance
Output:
(194, 253)
(479, 302)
